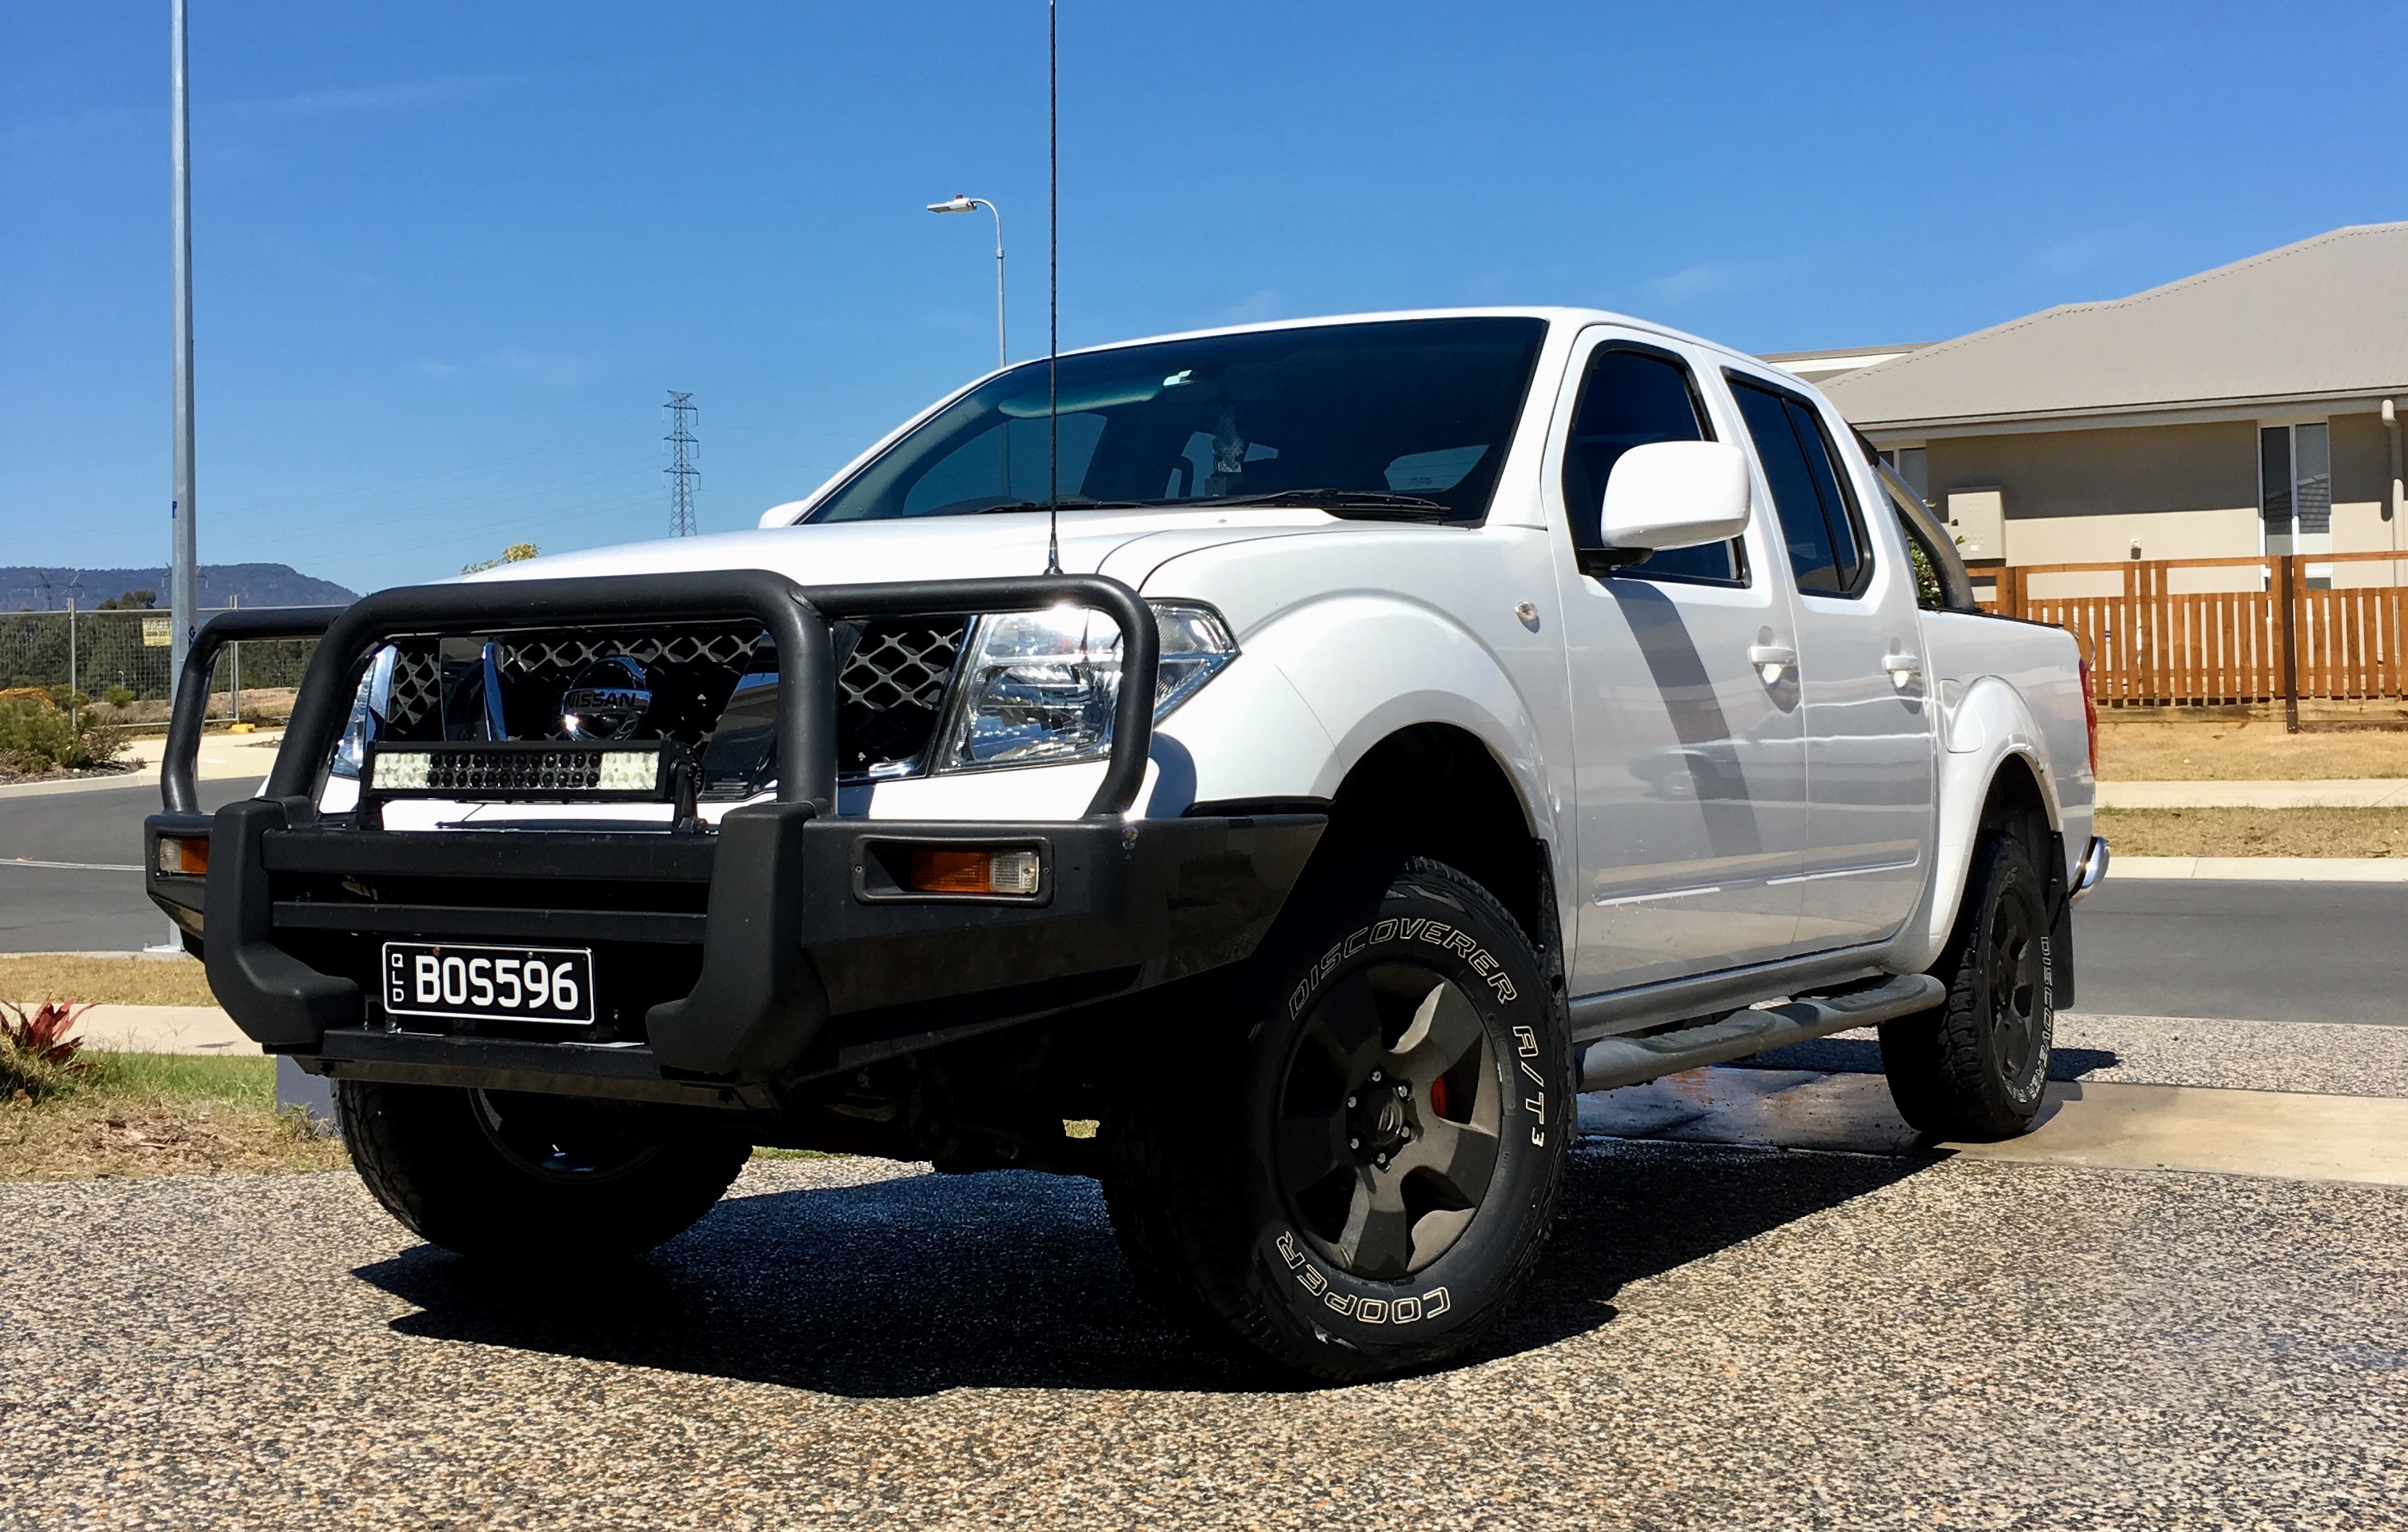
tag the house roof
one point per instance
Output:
(1816, 366)
(2324, 319)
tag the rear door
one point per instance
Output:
(1868, 712)
(1691, 783)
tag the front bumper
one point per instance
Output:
(728, 965)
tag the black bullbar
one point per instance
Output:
(803, 960)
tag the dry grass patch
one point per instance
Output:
(2244, 750)
(2255, 832)
(106, 981)
(160, 1114)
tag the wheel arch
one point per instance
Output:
(1993, 768)
(1438, 790)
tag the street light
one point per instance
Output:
(961, 204)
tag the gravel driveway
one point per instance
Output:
(1719, 1338)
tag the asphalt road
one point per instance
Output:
(84, 910)
(2242, 952)
(2248, 951)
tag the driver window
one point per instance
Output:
(1627, 398)
(1005, 463)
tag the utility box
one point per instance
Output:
(1978, 519)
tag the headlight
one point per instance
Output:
(370, 708)
(1037, 688)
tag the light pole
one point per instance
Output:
(183, 599)
(961, 204)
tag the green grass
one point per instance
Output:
(184, 1077)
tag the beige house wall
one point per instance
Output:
(2179, 491)
(2055, 475)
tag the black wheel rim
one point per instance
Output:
(2014, 986)
(1386, 1140)
(576, 1142)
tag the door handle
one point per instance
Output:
(1903, 669)
(1770, 660)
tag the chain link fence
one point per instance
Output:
(121, 659)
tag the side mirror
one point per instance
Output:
(1675, 494)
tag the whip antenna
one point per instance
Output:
(1053, 294)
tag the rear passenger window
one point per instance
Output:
(1820, 520)
(1629, 397)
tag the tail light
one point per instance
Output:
(2090, 714)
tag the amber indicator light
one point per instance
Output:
(945, 869)
(184, 856)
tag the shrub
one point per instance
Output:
(118, 697)
(37, 1049)
(37, 736)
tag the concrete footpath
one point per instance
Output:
(2293, 1136)
(223, 756)
(2331, 792)
(162, 1029)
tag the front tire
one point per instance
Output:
(1349, 1167)
(520, 1178)
(1976, 1067)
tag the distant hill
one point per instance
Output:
(258, 584)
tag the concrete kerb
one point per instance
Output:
(2274, 869)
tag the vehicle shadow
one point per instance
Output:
(1011, 1280)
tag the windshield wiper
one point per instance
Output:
(1070, 502)
(1353, 504)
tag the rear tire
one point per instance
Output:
(532, 1178)
(1976, 1067)
(1345, 1163)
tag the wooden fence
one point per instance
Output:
(2149, 645)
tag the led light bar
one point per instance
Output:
(515, 769)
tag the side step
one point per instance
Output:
(1631, 1061)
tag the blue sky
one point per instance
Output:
(450, 256)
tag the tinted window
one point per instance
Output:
(1410, 407)
(1819, 519)
(1627, 399)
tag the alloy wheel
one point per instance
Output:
(561, 1139)
(2013, 990)
(1387, 1138)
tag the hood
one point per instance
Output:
(1127, 545)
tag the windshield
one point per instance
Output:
(1408, 418)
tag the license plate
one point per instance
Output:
(489, 983)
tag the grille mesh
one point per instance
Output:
(889, 693)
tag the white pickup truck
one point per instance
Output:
(1272, 770)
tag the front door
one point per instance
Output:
(1869, 730)
(1691, 782)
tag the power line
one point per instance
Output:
(681, 471)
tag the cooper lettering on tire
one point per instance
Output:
(1390, 1160)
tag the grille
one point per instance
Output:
(547, 653)
(890, 691)
(417, 687)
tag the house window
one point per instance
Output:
(1908, 464)
(2295, 492)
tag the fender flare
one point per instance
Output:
(1987, 728)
